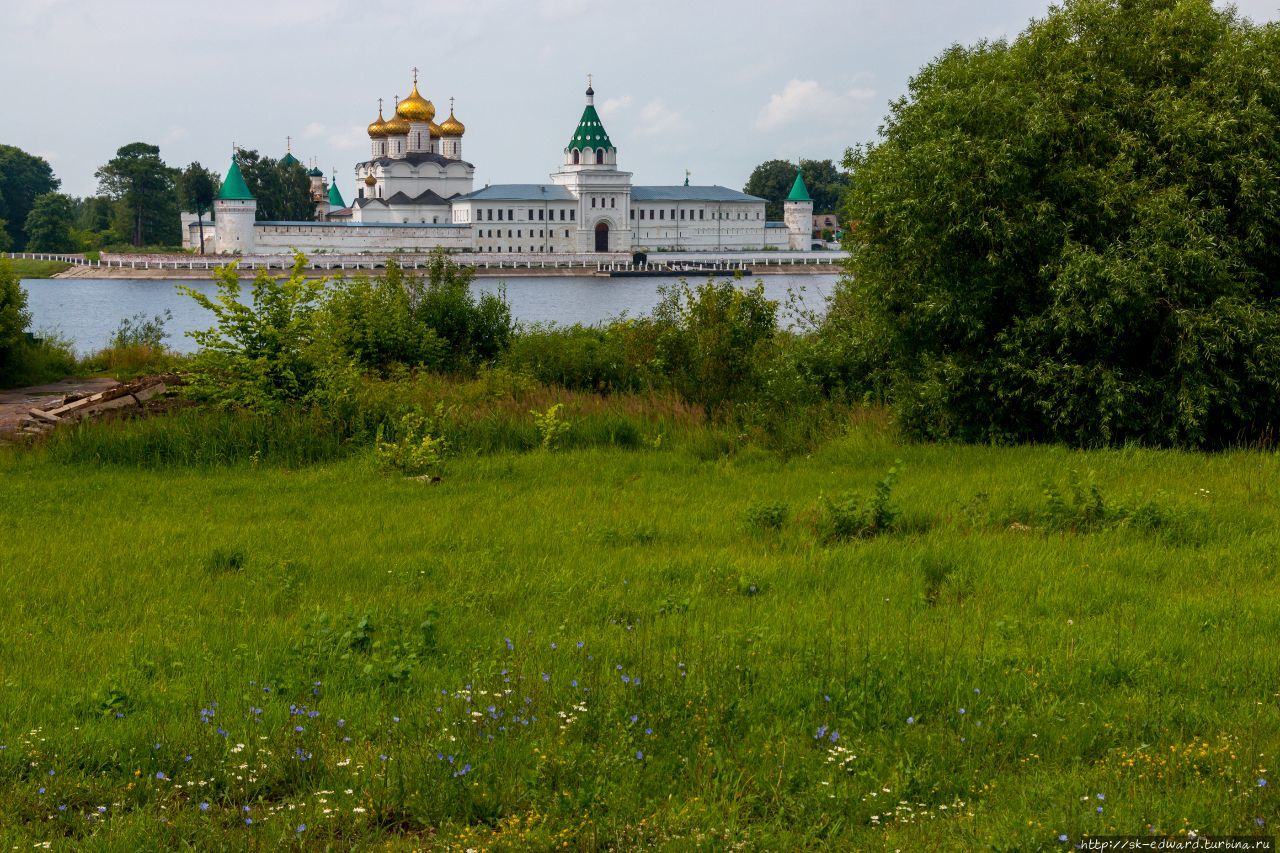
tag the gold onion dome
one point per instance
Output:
(452, 127)
(436, 132)
(370, 180)
(396, 126)
(379, 126)
(416, 108)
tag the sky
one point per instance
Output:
(712, 86)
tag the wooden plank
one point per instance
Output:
(144, 394)
(41, 414)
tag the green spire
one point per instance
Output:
(590, 132)
(799, 192)
(313, 172)
(288, 159)
(234, 188)
(335, 197)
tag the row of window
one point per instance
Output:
(613, 202)
(486, 215)
(500, 248)
(662, 214)
(519, 233)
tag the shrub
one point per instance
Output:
(551, 427)
(370, 322)
(856, 518)
(766, 516)
(474, 330)
(416, 451)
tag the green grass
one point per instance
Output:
(611, 603)
(29, 268)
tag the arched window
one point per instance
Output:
(599, 155)
(576, 156)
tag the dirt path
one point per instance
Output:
(15, 403)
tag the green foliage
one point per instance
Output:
(260, 354)
(49, 224)
(224, 560)
(140, 330)
(143, 191)
(372, 323)
(23, 177)
(282, 190)
(857, 518)
(197, 187)
(1075, 236)
(708, 340)
(551, 427)
(475, 331)
(1083, 507)
(766, 516)
(772, 181)
(24, 358)
(586, 358)
(14, 316)
(415, 452)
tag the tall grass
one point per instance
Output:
(599, 647)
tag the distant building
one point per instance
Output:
(415, 192)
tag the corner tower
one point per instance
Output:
(234, 211)
(590, 172)
(797, 212)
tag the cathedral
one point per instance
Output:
(416, 192)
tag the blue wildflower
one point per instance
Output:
(160, 775)
(639, 755)
(302, 827)
(204, 807)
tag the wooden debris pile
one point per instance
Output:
(77, 407)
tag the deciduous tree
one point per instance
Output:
(1075, 236)
(23, 176)
(198, 186)
(50, 222)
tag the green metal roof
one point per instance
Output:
(233, 187)
(288, 159)
(335, 197)
(590, 132)
(799, 192)
(315, 173)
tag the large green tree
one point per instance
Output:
(143, 189)
(23, 176)
(1076, 236)
(14, 319)
(197, 187)
(282, 189)
(50, 222)
(772, 181)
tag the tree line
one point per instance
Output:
(137, 200)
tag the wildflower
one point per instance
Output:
(579, 644)
(1101, 797)
(1099, 809)
(962, 711)
(383, 757)
(160, 775)
(186, 758)
(546, 677)
(1262, 783)
(302, 827)
(102, 809)
(634, 717)
(911, 721)
(42, 790)
(835, 736)
(248, 821)
(822, 732)
(313, 714)
(1259, 821)
(341, 723)
(204, 807)
(626, 679)
(1063, 838)
(62, 807)
(639, 755)
(573, 683)
(298, 729)
(553, 646)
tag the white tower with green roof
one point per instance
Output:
(797, 212)
(234, 211)
(590, 172)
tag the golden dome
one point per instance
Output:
(379, 126)
(436, 133)
(452, 127)
(396, 126)
(370, 180)
(415, 107)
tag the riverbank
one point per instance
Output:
(30, 268)
(508, 272)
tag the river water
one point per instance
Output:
(88, 311)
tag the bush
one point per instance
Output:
(370, 322)
(579, 357)
(475, 331)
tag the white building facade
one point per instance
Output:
(416, 193)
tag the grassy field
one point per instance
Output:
(29, 268)
(635, 648)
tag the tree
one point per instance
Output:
(197, 187)
(143, 189)
(282, 189)
(22, 178)
(1076, 236)
(49, 224)
(772, 182)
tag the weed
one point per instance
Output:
(416, 452)
(857, 518)
(766, 516)
(224, 560)
(551, 427)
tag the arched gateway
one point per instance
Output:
(602, 236)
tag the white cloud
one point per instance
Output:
(315, 130)
(348, 138)
(657, 119)
(809, 101)
(613, 106)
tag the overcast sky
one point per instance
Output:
(713, 87)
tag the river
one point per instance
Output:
(88, 311)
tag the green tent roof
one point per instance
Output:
(799, 192)
(288, 159)
(234, 187)
(313, 172)
(335, 197)
(590, 132)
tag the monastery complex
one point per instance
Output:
(416, 192)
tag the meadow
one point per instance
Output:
(665, 635)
